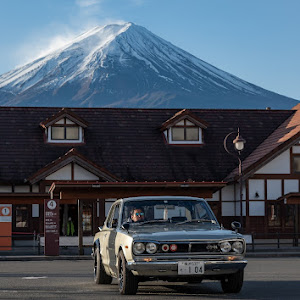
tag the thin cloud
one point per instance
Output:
(88, 3)
(42, 44)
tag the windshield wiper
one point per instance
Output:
(197, 221)
(154, 221)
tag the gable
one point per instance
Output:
(72, 172)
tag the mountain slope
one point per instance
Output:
(128, 66)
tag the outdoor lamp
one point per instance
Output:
(239, 142)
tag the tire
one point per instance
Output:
(100, 276)
(128, 283)
(233, 283)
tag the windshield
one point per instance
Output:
(167, 211)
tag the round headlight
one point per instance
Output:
(238, 247)
(151, 248)
(138, 248)
(225, 247)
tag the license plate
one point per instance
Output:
(190, 267)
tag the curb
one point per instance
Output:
(45, 258)
(272, 254)
(89, 257)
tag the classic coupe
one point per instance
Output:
(169, 238)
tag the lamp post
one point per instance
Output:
(239, 144)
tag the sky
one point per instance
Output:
(255, 40)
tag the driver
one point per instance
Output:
(137, 215)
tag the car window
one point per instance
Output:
(113, 217)
(172, 211)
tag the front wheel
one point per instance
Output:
(100, 276)
(128, 283)
(233, 283)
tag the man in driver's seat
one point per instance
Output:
(137, 215)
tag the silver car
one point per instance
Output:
(169, 238)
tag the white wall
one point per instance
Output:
(296, 149)
(82, 174)
(215, 197)
(256, 208)
(274, 189)
(256, 187)
(65, 173)
(22, 189)
(291, 186)
(228, 209)
(279, 165)
(5, 189)
(62, 174)
(228, 193)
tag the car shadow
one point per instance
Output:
(212, 289)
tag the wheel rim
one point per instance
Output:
(95, 266)
(121, 275)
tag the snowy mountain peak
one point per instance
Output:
(128, 66)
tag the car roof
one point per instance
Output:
(147, 198)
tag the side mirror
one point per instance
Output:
(236, 225)
(100, 228)
(125, 226)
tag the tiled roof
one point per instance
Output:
(281, 139)
(65, 112)
(128, 143)
(181, 115)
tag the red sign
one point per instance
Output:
(51, 227)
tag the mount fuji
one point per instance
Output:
(128, 66)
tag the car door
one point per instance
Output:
(112, 238)
(105, 235)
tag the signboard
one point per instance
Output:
(5, 226)
(51, 227)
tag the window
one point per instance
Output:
(22, 216)
(289, 215)
(87, 218)
(184, 132)
(296, 164)
(274, 215)
(65, 130)
(112, 220)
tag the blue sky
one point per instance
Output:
(256, 40)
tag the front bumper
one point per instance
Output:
(170, 268)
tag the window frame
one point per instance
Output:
(65, 125)
(169, 133)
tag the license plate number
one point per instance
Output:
(190, 267)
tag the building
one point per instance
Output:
(93, 156)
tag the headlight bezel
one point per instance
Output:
(138, 251)
(153, 250)
(239, 243)
(145, 247)
(225, 247)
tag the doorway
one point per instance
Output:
(68, 219)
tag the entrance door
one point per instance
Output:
(68, 219)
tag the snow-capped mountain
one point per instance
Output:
(128, 66)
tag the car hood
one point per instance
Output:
(159, 233)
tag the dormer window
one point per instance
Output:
(185, 131)
(64, 127)
(184, 128)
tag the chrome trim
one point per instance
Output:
(166, 268)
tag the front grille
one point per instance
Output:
(207, 247)
(193, 247)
